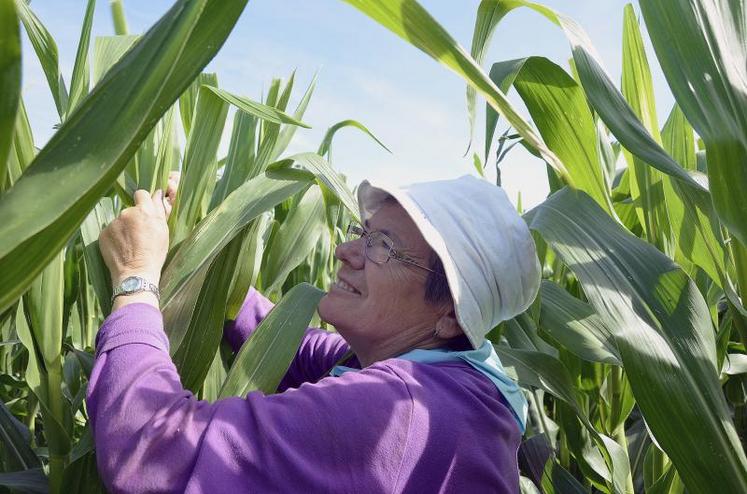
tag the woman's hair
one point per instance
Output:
(436, 287)
(437, 292)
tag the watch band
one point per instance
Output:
(135, 284)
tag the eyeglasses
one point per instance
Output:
(380, 248)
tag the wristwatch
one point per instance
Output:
(135, 284)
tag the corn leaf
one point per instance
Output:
(662, 328)
(701, 46)
(265, 357)
(692, 217)
(239, 159)
(646, 183)
(544, 371)
(31, 481)
(209, 237)
(295, 239)
(200, 163)
(98, 273)
(287, 132)
(202, 338)
(46, 50)
(44, 307)
(324, 147)
(22, 149)
(700, 228)
(84, 157)
(188, 99)
(575, 325)
(16, 441)
(79, 82)
(10, 80)
(408, 20)
(249, 263)
(558, 480)
(559, 110)
(325, 174)
(107, 50)
(599, 88)
(259, 110)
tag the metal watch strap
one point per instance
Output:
(142, 286)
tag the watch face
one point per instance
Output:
(130, 284)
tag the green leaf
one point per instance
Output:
(559, 109)
(287, 133)
(575, 325)
(324, 147)
(107, 50)
(239, 159)
(701, 46)
(31, 481)
(79, 83)
(325, 175)
(558, 480)
(601, 92)
(646, 183)
(295, 239)
(544, 371)
(265, 357)
(693, 219)
(200, 164)
(16, 440)
(202, 338)
(75, 169)
(249, 264)
(82, 476)
(215, 231)
(662, 328)
(44, 310)
(22, 150)
(408, 20)
(96, 269)
(46, 50)
(10, 80)
(259, 110)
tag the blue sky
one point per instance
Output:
(414, 105)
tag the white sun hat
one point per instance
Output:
(486, 249)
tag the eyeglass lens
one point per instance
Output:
(377, 244)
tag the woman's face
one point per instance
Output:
(389, 302)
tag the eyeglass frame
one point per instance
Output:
(391, 254)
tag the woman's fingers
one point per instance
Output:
(141, 197)
(172, 187)
(159, 204)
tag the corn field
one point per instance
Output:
(633, 355)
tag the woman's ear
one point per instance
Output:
(447, 326)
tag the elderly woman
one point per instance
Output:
(423, 406)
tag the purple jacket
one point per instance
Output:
(395, 426)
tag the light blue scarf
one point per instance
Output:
(484, 359)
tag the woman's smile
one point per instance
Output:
(341, 285)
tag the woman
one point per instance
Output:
(424, 407)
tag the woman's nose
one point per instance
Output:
(351, 253)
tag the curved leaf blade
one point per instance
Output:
(85, 156)
(662, 328)
(265, 357)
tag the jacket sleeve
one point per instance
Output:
(318, 352)
(153, 436)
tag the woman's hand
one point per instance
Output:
(137, 241)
